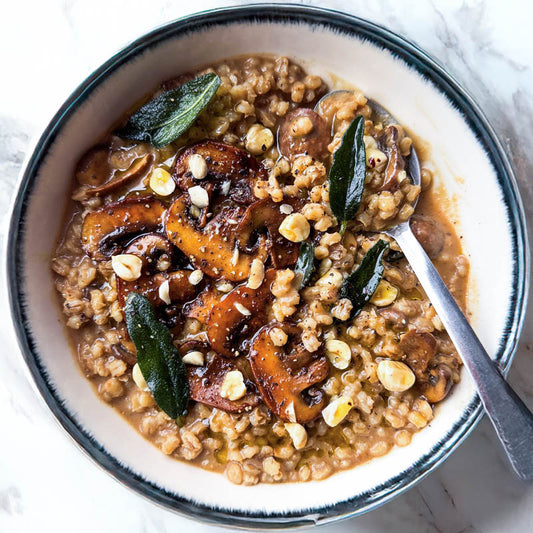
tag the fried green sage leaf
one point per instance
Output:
(167, 116)
(361, 284)
(305, 266)
(348, 172)
(157, 357)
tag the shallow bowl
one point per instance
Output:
(469, 163)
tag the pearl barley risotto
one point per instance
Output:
(274, 369)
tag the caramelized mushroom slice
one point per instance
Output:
(389, 141)
(303, 132)
(136, 171)
(151, 248)
(201, 306)
(205, 383)
(231, 170)
(179, 287)
(104, 228)
(419, 349)
(438, 385)
(428, 234)
(213, 249)
(238, 316)
(285, 376)
(266, 214)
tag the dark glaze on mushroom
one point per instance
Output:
(105, 229)
(419, 349)
(229, 169)
(286, 375)
(303, 132)
(227, 326)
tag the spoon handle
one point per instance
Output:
(511, 418)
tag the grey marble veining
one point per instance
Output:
(46, 484)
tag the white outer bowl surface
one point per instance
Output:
(462, 166)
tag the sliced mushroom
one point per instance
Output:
(238, 316)
(136, 171)
(179, 287)
(105, 228)
(94, 167)
(286, 375)
(389, 141)
(201, 306)
(419, 349)
(438, 385)
(213, 249)
(303, 132)
(205, 383)
(152, 248)
(231, 170)
(265, 214)
(429, 234)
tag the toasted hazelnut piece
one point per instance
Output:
(286, 209)
(161, 182)
(233, 387)
(257, 274)
(258, 139)
(338, 353)
(224, 286)
(337, 410)
(395, 376)
(295, 227)
(138, 378)
(278, 336)
(199, 196)
(195, 358)
(376, 159)
(385, 294)
(331, 278)
(127, 266)
(242, 310)
(197, 166)
(297, 433)
(164, 291)
(195, 277)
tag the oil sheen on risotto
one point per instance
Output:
(285, 386)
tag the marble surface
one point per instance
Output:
(46, 484)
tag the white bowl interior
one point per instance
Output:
(463, 168)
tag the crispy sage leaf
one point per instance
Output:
(170, 114)
(305, 266)
(157, 357)
(361, 284)
(348, 172)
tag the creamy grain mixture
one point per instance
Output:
(351, 389)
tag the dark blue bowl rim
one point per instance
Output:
(277, 13)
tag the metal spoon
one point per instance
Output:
(509, 415)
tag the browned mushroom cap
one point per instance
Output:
(438, 385)
(429, 234)
(419, 349)
(205, 383)
(389, 141)
(94, 168)
(104, 228)
(151, 248)
(136, 171)
(303, 132)
(231, 170)
(179, 287)
(285, 375)
(201, 306)
(238, 316)
(266, 214)
(213, 249)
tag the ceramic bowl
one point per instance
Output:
(469, 163)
